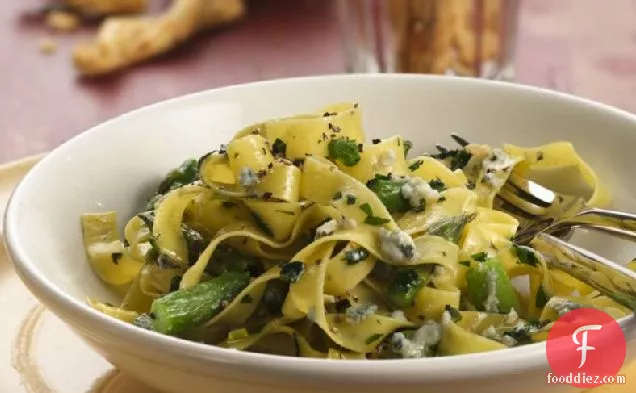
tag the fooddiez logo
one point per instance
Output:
(585, 348)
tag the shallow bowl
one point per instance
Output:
(115, 165)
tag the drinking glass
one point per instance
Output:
(451, 37)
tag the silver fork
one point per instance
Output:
(547, 217)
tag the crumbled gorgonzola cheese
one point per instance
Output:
(248, 177)
(426, 336)
(416, 190)
(327, 229)
(495, 168)
(397, 246)
(561, 306)
(512, 316)
(387, 158)
(359, 313)
(508, 341)
(491, 303)
(399, 315)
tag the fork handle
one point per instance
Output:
(613, 222)
(611, 279)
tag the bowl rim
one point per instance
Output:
(121, 334)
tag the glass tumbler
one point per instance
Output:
(450, 37)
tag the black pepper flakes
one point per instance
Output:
(261, 174)
(334, 128)
(267, 195)
(264, 150)
(376, 141)
(360, 147)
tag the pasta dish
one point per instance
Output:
(301, 238)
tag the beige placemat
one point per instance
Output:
(39, 354)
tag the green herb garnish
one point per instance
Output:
(416, 165)
(345, 151)
(456, 316)
(390, 193)
(292, 271)
(371, 219)
(526, 255)
(480, 256)
(437, 184)
(186, 173)
(279, 147)
(372, 338)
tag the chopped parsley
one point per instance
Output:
(456, 316)
(373, 338)
(390, 193)
(416, 165)
(480, 256)
(465, 263)
(186, 173)
(292, 271)
(408, 145)
(460, 160)
(371, 219)
(148, 218)
(522, 333)
(450, 228)
(526, 255)
(116, 256)
(345, 151)
(437, 184)
(541, 298)
(195, 241)
(279, 148)
(356, 255)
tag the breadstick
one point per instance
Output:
(107, 7)
(124, 41)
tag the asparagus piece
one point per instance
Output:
(489, 287)
(188, 308)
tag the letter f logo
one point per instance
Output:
(583, 344)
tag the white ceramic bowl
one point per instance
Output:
(116, 164)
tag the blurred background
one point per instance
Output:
(68, 65)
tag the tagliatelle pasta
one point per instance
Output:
(301, 238)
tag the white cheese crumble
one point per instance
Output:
(399, 315)
(508, 341)
(498, 163)
(327, 229)
(388, 158)
(416, 190)
(561, 306)
(446, 318)
(491, 333)
(426, 336)
(491, 303)
(248, 177)
(397, 246)
(356, 314)
(512, 316)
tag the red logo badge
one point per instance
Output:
(585, 348)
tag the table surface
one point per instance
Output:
(585, 47)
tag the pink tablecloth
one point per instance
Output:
(587, 47)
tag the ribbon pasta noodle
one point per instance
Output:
(302, 238)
